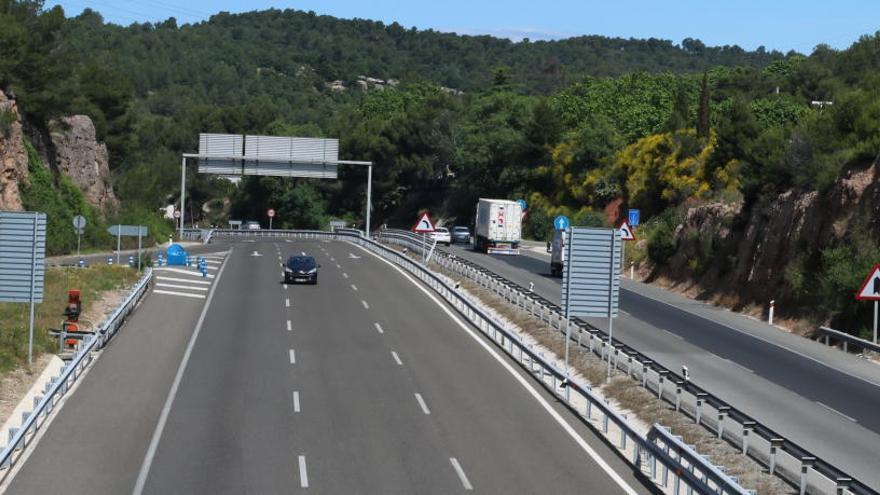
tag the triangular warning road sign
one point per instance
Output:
(626, 232)
(424, 225)
(870, 290)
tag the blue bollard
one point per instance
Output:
(131, 261)
(159, 259)
(110, 260)
(82, 263)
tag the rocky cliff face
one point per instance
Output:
(727, 248)
(79, 155)
(13, 157)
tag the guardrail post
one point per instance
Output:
(775, 445)
(678, 385)
(748, 426)
(806, 464)
(843, 485)
(645, 365)
(629, 365)
(700, 397)
(605, 421)
(662, 374)
(623, 436)
(722, 413)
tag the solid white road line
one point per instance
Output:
(173, 286)
(295, 401)
(354, 287)
(379, 328)
(289, 326)
(422, 403)
(184, 272)
(303, 475)
(172, 393)
(519, 378)
(292, 356)
(286, 302)
(182, 294)
(673, 335)
(396, 358)
(366, 306)
(172, 279)
(460, 472)
(835, 411)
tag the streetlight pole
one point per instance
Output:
(369, 197)
(182, 192)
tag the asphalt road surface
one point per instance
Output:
(360, 384)
(818, 397)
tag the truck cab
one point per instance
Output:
(557, 253)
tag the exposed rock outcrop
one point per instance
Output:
(726, 248)
(80, 156)
(13, 156)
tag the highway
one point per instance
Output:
(819, 397)
(360, 384)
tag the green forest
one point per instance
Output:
(572, 126)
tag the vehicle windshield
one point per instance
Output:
(301, 263)
(442, 230)
(460, 229)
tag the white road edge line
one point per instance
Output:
(422, 403)
(673, 335)
(519, 378)
(172, 393)
(303, 475)
(296, 401)
(292, 356)
(835, 411)
(187, 280)
(289, 326)
(379, 328)
(366, 306)
(460, 472)
(396, 358)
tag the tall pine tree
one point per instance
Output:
(703, 114)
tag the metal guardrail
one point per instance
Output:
(829, 333)
(58, 387)
(778, 454)
(645, 455)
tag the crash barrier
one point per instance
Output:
(203, 235)
(662, 457)
(779, 455)
(32, 421)
(831, 336)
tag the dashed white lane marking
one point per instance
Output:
(289, 326)
(286, 302)
(354, 287)
(303, 475)
(285, 286)
(292, 356)
(579, 440)
(379, 328)
(396, 358)
(345, 275)
(460, 472)
(182, 294)
(422, 403)
(295, 401)
(366, 306)
(835, 411)
(191, 281)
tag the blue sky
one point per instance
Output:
(775, 24)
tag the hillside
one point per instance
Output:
(585, 127)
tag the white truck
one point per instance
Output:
(497, 227)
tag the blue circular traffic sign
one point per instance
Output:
(523, 206)
(561, 222)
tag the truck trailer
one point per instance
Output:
(497, 227)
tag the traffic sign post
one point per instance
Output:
(626, 234)
(271, 214)
(22, 262)
(870, 291)
(79, 224)
(591, 279)
(424, 226)
(138, 231)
